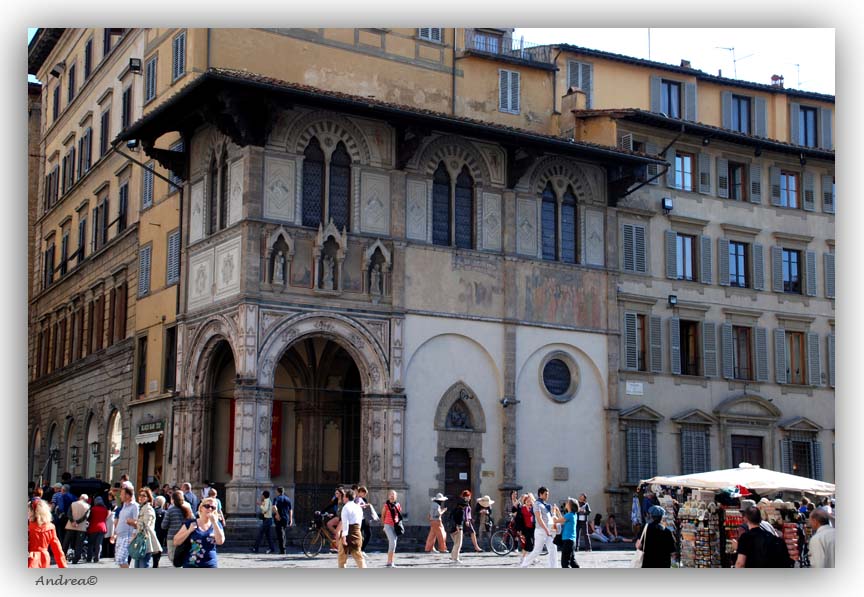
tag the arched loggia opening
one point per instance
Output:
(219, 396)
(316, 419)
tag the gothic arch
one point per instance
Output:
(561, 172)
(460, 391)
(353, 337)
(330, 129)
(202, 346)
(213, 146)
(455, 152)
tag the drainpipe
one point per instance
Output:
(453, 77)
(555, 83)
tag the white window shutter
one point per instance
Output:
(829, 275)
(675, 345)
(814, 360)
(780, 355)
(631, 358)
(709, 349)
(706, 268)
(656, 341)
(514, 91)
(671, 254)
(503, 90)
(639, 248)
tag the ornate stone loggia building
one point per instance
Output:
(365, 295)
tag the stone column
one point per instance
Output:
(191, 439)
(508, 426)
(252, 430)
(382, 445)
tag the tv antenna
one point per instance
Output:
(735, 59)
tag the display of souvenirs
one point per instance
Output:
(700, 535)
(790, 537)
(732, 521)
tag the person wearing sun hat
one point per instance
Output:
(436, 527)
(484, 517)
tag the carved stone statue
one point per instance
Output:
(329, 272)
(279, 269)
(457, 418)
(375, 285)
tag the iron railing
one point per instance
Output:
(506, 46)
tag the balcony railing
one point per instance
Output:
(507, 47)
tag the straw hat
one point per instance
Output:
(439, 497)
(485, 501)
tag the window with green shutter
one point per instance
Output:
(508, 91)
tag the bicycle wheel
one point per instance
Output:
(501, 542)
(312, 543)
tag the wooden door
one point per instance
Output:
(457, 472)
(747, 448)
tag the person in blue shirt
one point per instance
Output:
(568, 533)
(285, 517)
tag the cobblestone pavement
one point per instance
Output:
(227, 559)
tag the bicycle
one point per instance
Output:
(505, 540)
(317, 537)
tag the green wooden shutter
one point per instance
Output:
(709, 349)
(723, 261)
(656, 341)
(794, 115)
(726, 104)
(831, 367)
(780, 355)
(144, 270)
(515, 86)
(675, 345)
(173, 266)
(704, 173)
(761, 354)
(814, 360)
(758, 268)
(503, 90)
(629, 265)
(777, 269)
(826, 137)
(828, 194)
(147, 194)
(816, 453)
(810, 257)
(656, 94)
(760, 117)
(722, 178)
(774, 175)
(809, 202)
(639, 249)
(706, 268)
(690, 103)
(726, 347)
(671, 254)
(652, 169)
(829, 275)
(755, 183)
(786, 455)
(670, 173)
(631, 357)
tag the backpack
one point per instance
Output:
(777, 554)
(448, 523)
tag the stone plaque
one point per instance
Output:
(635, 388)
(227, 272)
(492, 221)
(196, 213)
(374, 202)
(235, 194)
(560, 473)
(526, 227)
(279, 181)
(595, 237)
(416, 213)
(201, 278)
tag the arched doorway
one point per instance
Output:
(457, 472)
(220, 395)
(92, 448)
(316, 419)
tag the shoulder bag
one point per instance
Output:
(138, 546)
(398, 526)
(181, 552)
(640, 553)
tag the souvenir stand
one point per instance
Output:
(709, 518)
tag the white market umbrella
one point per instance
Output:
(750, 476)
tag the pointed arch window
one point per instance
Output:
(213, 199)
(568, 226)
(559, 221)
(549, 220)
(464, 202)
(441, 206)
(340, 187)
(313, 184)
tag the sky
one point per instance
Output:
(805, 57)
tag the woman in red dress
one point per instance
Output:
(41, 536)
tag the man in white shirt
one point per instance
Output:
(544, 531)
(350, 539)
(822, 542)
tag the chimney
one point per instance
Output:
(685, 63)
(719, 72)
(777, 81)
